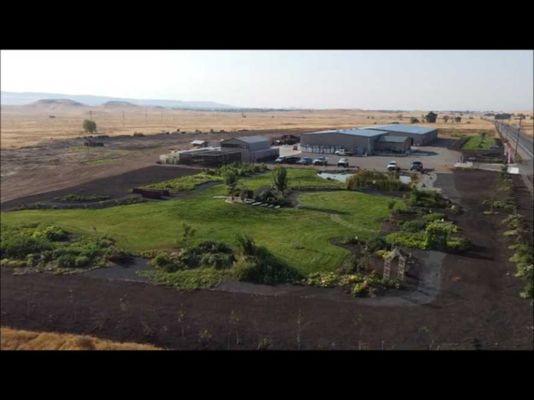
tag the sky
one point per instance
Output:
(404, 80)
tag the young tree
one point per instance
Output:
(445, 118)
(458, 119)
(89, 126)
(280, 179)
(431, 117)
(187, 235)
(231, 179)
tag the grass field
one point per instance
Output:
(300, 236)
(25, 125)
(479, 143)
(14, 339)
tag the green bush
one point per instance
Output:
(256, 264)
(413, 226)
(407, 239)
(426, 198)
(18, 245)
(207, 254)
(52, 232)
(366, 179)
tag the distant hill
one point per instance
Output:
(117, 104)
(55, 103)
(23, 98)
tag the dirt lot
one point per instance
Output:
(60, 164)
(116, 186)
(478, 305)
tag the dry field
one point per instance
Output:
(28, 125)
(12, 339)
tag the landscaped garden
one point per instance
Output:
(214, 234)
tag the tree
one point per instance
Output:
(231, 179)
(414, 120)
(458, 119)
(431, 117)
(187, 235)
(89, 126)
(280, 179)
(445, 118)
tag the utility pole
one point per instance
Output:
(517, 139)
(91, 115)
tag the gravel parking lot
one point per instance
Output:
(438, 158)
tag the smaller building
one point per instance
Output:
(420, 135)
(199, 143)
(393, 144)
(252, 148)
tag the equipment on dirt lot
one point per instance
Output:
(286, 139)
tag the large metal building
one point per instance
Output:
(357, 141)
(420, 135)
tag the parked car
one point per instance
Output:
(343, 162)
(287, 160)
(342, 152)
(416, 166)
(305, 161)
(292, 160)
(321, 161)
(392, 166)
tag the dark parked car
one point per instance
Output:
(292, 160)
(305, 161)
(287, 160)
(416, 166)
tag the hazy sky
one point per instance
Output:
(439, 80)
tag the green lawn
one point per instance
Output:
(300, 236)
(185, 183)
(297, 178)
(479, 143)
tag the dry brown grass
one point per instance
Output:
(12, 339)
(23, 125)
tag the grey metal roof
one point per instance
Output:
(393, 139)
(252, 139)
(414, 129)
(353, 132)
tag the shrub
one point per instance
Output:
(18, 245)
(52, 232)
(66, 260)
(256, 264)
(89, 126)
(365, 179)
(426, 198)
(415, 225)
(269, 195)
(437, 234)
(407, 239)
